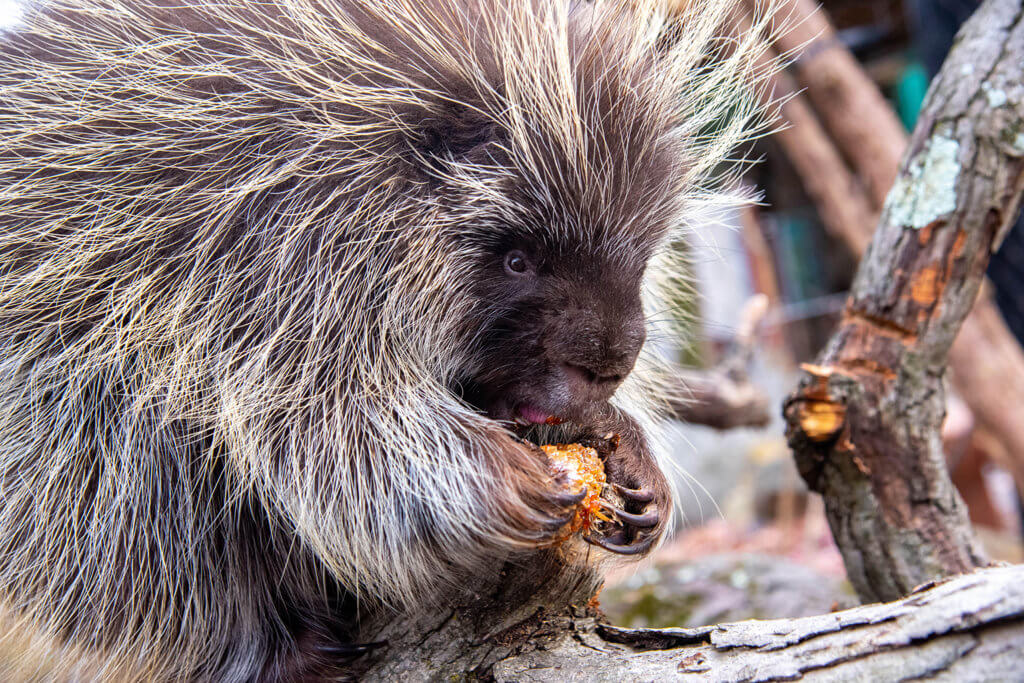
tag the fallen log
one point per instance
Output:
(970, 628)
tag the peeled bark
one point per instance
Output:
(864, 423)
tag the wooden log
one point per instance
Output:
(864, 423)
(719, 400)
(969, 628)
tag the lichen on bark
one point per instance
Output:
(927, 191)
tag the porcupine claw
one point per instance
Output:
(645, 521)
(343, 649)
(638, 547)
(621, 542)
(634, 495)
(569, 501)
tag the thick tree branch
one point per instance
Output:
(970, 628)
(985, 353)
(723, 397)
(864, 423)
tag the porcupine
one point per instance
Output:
(280, 281)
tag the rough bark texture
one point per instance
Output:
(495, 620)
(970, 628)
(985, 353)
(864, 423)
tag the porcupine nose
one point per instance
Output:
(598, 364)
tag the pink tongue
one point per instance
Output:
(531, 414)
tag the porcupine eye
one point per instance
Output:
(516, 263)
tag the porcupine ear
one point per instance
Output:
(458, 135)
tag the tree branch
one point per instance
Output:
(969, 628)
(723, 397)
(851, 106)
(985, 353)
(864, 423)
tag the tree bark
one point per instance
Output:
(985, 353)
(717, 399)
(969, 628)
(864, 423)
(838, 194)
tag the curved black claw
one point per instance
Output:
(570, 499)
(645, 521)
(635, 495)
(638, 548)
(569, 502)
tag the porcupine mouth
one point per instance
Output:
(545, 408)
(541, 420)
(538, 426)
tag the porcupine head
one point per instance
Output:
(283, 285)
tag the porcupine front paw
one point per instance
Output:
(543, 504)
(644, 499)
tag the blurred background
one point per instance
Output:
(772, 283)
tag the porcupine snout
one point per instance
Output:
(600, 340)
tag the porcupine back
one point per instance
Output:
(230, 304)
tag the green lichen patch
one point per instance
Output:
(928, 191)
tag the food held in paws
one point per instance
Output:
(581, 467)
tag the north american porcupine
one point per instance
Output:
(275, 278)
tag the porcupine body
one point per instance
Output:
(278, 279)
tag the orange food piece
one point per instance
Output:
(582, 467)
